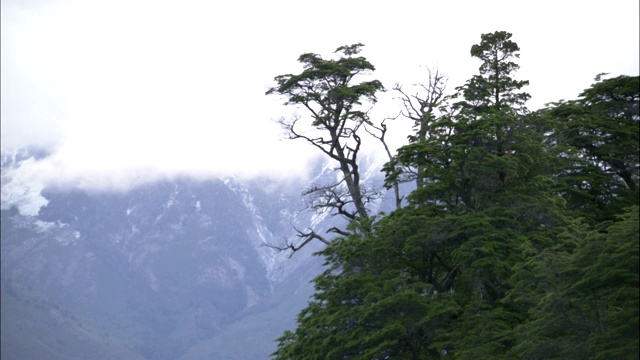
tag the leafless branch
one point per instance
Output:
(420, 107)
(382, 131)
(307, 236)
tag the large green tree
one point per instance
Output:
(582, 290)
(596, 138)
(583, 294)
(335, 93)
(377, 299)
(498, 253)
(479, 142)
(431, 278)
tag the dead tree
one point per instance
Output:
(420, 108)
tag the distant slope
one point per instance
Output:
(253, 336)
(36, 328)
(168, 269)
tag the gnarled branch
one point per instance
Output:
(307, 236)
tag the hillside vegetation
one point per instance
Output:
(520, 240)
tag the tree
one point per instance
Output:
(374, 300)
(488, 187)
(586, 303)
(494, 89)
(431, 278)
(420, 108)
(597, 138)
(493, 106)
(485, 260)
(336, 98)
(472, 146)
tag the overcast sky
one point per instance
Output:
(124, 88)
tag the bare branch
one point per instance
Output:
(330, 197)
(382, 130)
(420, 107)
(307, 236)
(338, 231)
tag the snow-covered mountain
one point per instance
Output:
(166, 270)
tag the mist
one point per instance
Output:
(124, 92)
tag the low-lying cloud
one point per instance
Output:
(125, 92)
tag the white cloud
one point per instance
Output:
(130, 89)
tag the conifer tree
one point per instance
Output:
(596, 137)
(486, 261)
(582, 289)
(431, 278)
(488, 187)
(584, 304)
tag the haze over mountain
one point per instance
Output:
(168, 269)
(139, 89)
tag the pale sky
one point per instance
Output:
(130, 89)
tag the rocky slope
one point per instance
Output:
(169, 269)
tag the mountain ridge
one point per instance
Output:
(169, 268)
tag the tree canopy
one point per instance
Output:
(520, 239)
(332, 92)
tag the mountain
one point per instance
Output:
(37, 328)
(172, 269)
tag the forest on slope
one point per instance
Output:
(520, 239)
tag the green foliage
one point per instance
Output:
(597, 139)
(494, 90)
(330, 91)
(325, 87)
(521, 242)
(585, 302)
(374, 301)
(494, 87)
